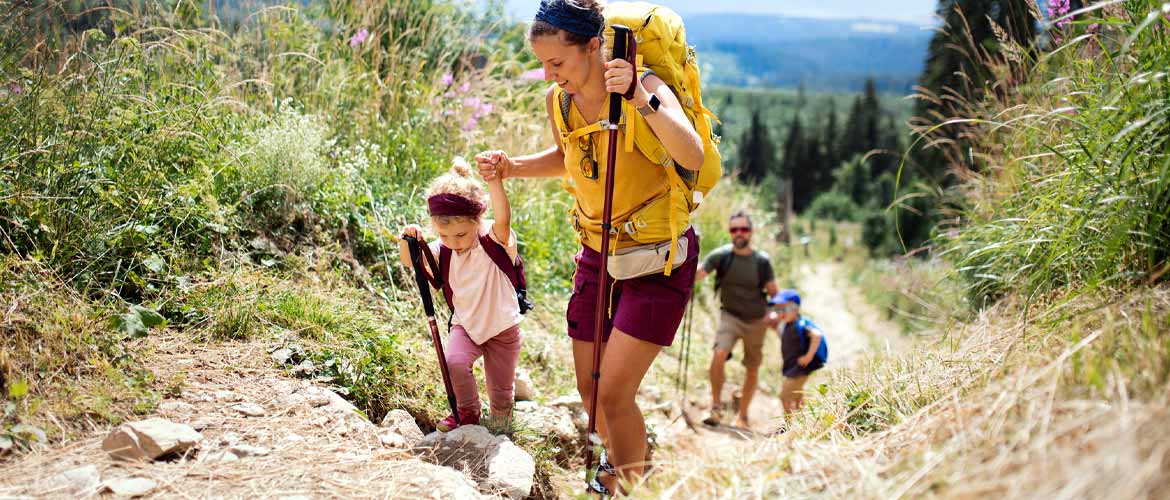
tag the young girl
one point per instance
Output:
(486, 313)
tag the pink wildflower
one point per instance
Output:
(533, 74)
(467, 127)
(359, 37)
(449, 94)
(1058, 9)
(448, 79)
(471, 102)
(486, 108)
(465, 87)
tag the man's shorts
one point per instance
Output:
(752, 332)
(648, 308)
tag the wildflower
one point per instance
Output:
(449, 94)
(448, 79)
(471, 102)
(16, 89)
(467, 127)
(465, 87)
(1058, 9)
(359, 37)
(533, 75)
(486, 108)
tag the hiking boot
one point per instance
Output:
(465, 418)
(715, 417)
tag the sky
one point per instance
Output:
(915, 11)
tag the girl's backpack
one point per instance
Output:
(514, 270)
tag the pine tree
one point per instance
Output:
(757, 152)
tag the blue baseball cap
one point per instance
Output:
(785, 295)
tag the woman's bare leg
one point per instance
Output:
(624, 365)
(583, 366)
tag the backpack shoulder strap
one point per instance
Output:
(444, 274)
(724, 265)
(513, 269)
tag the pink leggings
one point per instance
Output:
(500, 354)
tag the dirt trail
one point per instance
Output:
(853, 328)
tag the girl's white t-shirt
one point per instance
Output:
(485, 300)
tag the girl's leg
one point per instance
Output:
(583, 366)
(461, 354)
(500, 355)
(625, 364)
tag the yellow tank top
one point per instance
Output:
(638, 180)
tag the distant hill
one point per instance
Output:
(747, 50)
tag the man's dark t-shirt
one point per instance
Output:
(793, 345)
(740, 287)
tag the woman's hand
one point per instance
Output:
(412, 230)
(493, 165)
(619, 74)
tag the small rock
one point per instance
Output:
(130, 486)
(524, 390)
(80, 481)
(202, 424)
(549, 421)
(282, 356)
(526, 406)
(226, 396)
(245, 450)
(317, 400)
(229, 439)
(305, 367)
(418, 479)
(393, 440)
(403, 424)
(176, 407)
(30, 433)
(572, 402)
(511, 469)
(151, 439)
(249, 409)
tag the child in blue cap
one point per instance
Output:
(802, 344)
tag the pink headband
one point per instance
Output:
(447, 204)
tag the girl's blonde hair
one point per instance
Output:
(459, 182)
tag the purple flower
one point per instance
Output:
(449, 94)
(448, 79)
(1058, 9)
(486, 108)
(16, 89)
(471, 102)
(533, 75)
(467, 127)
(359, 37)
(465, 87)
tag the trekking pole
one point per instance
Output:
(424, 290)
(687, 343)
(621, 35)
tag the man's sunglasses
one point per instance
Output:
(738, 230)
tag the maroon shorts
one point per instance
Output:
(648, 308)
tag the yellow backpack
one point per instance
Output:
(661, 48)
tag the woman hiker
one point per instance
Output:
(644, 312)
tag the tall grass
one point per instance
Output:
(1078, 189)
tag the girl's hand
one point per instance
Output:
(414, 231)
(493, 165)
(619, 74)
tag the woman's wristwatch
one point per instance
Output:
(651, 106)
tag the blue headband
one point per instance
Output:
(568, 16)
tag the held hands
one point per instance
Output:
(493, 165)
(619, 73)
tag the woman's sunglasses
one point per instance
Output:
(740, 230)
(588, 163)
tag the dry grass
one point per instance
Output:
(996, 408)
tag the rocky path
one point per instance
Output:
(261, 434)
(853, 328)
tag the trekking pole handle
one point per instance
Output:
(419, 277)
(621, 39)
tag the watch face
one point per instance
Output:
(654, 102)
